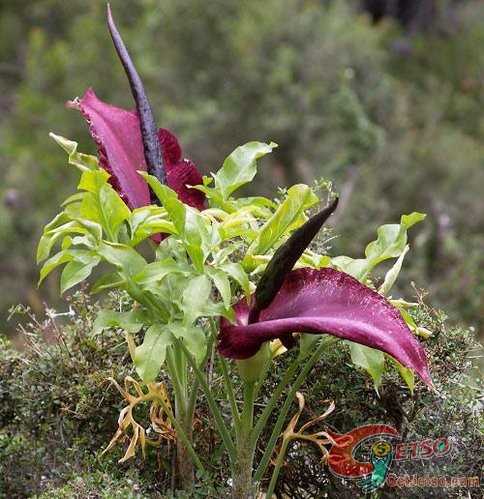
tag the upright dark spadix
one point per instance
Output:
(149, 132)
(285, 257)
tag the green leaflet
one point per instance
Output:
(190, 225)
(236, 272)
(102, 205)
(373, 361)
(287, 216)
(156, 271)
(84, 257)
(150, 355)
(195, 301)
(75, 272)
(84, 162)
(307, 344)
(108, 281)
(406, 373)
(131, 322)
(240, 223)
(392, 274)
(92, 180)
(50, 237)
(222, 283)
(240, 167)
(390, 243)
(146, 221)
(127, 261)
(193, 337)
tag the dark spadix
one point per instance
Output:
(149, 133)
(285, 258)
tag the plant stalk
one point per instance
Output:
(243, 485)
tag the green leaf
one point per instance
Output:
(307, 344)
(146, 221)
(176, 210)
(53, 262)
(77, 197)
(240, 223)
(59, 220)
(82, 161)
(93, 228)
(212, 194)
(92, 181)
(50, 238)
(287, 216)
(83, 256)
(195, 301)
(373, 361)
(193, 337)
(405, 372)
(222, 283)
(113, 208)
(189, 223)
(75, 272)
(392, 274)
(392, 238)
(108, 281)
(106, 208)
(240, 167)
(127, 260)
(237, 272)
(156, 271)
(151, 354)
(390, 243)
(132, 321)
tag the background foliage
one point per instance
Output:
(391, 112)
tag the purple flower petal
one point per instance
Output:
(180, 172)
(117, 135)
(325, 301)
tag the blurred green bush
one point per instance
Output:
(394, 119)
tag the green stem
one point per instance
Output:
(243, 485)
(287, 404)
(214, 409)
(247, 416)
(229, 390)
(229, 386)
(196, 383)
(281, 386)
(277, 467)
(174, 376)
(180, 433)
(177, 365)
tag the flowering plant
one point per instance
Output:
(226, 274)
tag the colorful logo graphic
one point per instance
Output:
(373, 473)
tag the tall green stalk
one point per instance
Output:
(177, 366)
(264, 462)
(243, 486)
